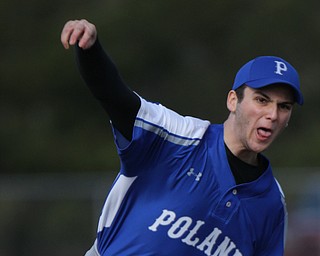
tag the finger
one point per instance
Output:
(77, 33)
(80, 31)
(66, 33)
(88, 37)
(72, 32)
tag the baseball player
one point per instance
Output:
(186, 186)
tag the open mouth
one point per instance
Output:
(264, 133)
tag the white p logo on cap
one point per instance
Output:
(280, 66)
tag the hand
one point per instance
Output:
(81, 31)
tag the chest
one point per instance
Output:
(189, 213)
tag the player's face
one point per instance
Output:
(262, 115)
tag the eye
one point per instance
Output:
(285, 106)
(261, 100)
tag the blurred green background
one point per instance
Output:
(183, 54)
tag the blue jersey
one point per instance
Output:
(175, 195)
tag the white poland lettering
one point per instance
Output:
(181, 226)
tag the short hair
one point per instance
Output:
(240, 92)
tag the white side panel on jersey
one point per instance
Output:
(182, 130)
(93, 250)
(285, 211)
(114, 200)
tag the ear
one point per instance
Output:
(232, 101)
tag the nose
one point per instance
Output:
(272, 112)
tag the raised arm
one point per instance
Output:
(101, 75)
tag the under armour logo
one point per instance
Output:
(191, 172)
(280, 67)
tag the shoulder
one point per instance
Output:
(156, 117)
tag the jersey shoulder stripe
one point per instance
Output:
(178, 129)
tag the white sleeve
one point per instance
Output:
(177, 128)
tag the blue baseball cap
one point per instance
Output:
(267, 70)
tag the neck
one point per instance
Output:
(236, 147)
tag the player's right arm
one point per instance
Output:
(101, 75)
